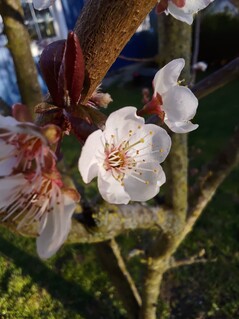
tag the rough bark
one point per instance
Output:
(104, 28)
(19, 46)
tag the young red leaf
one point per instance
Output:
(50, 63)
(72, 71)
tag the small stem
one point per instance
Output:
(217, 79)
(112, 261)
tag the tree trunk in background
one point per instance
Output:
(174, 42)
(19, 46)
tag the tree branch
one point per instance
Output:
(111, 220)
(19, 46)
(104, 28)
(217, 79)
(112, 261)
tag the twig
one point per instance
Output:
(112, 261)
(196, 39)
(217, 79)
(196, 259)
(153, 59)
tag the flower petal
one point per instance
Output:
(168, 76)
(7, 160)
(179, 104)
(156, 144)
(88, 163)
(110, 189)
(152, 176)
(181, 127)
(119, 123)
(42, 4)
(186, 12)
(56, 230)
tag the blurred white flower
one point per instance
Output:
(126, 158)
(42, 4)
(200, 66)
(182, 10)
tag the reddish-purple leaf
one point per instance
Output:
(50, 63)
(72, 71)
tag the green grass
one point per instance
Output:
(72, 284)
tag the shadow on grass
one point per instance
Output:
(64, 291)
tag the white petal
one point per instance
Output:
(155, 147)
(168, 76)
(110, 189)
(186, 13)
(42, 4)
(181, 127)
(152, 176)
(179, 104)
(10, 187)
(120, 122)
(7, 161)
(6, 121)
(56, 230)
(88, 163)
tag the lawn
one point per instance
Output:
(72, 284)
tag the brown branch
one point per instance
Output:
(104, 28)
(143, 60)
(112, 261)
(111, 221)
(217, 79)
(188, 261)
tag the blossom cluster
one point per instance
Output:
(33, 196)
(125, 153)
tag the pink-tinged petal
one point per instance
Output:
(181, 127)
(180, 104)
(186, 12)
(121, 121)
(88, 162)
(144, 181)
(110, 189)
(56, 229)
(42, 4)
(168, 76)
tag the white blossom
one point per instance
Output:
(177, 103)
(126, 158)
(186, 12)
(33, 198)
